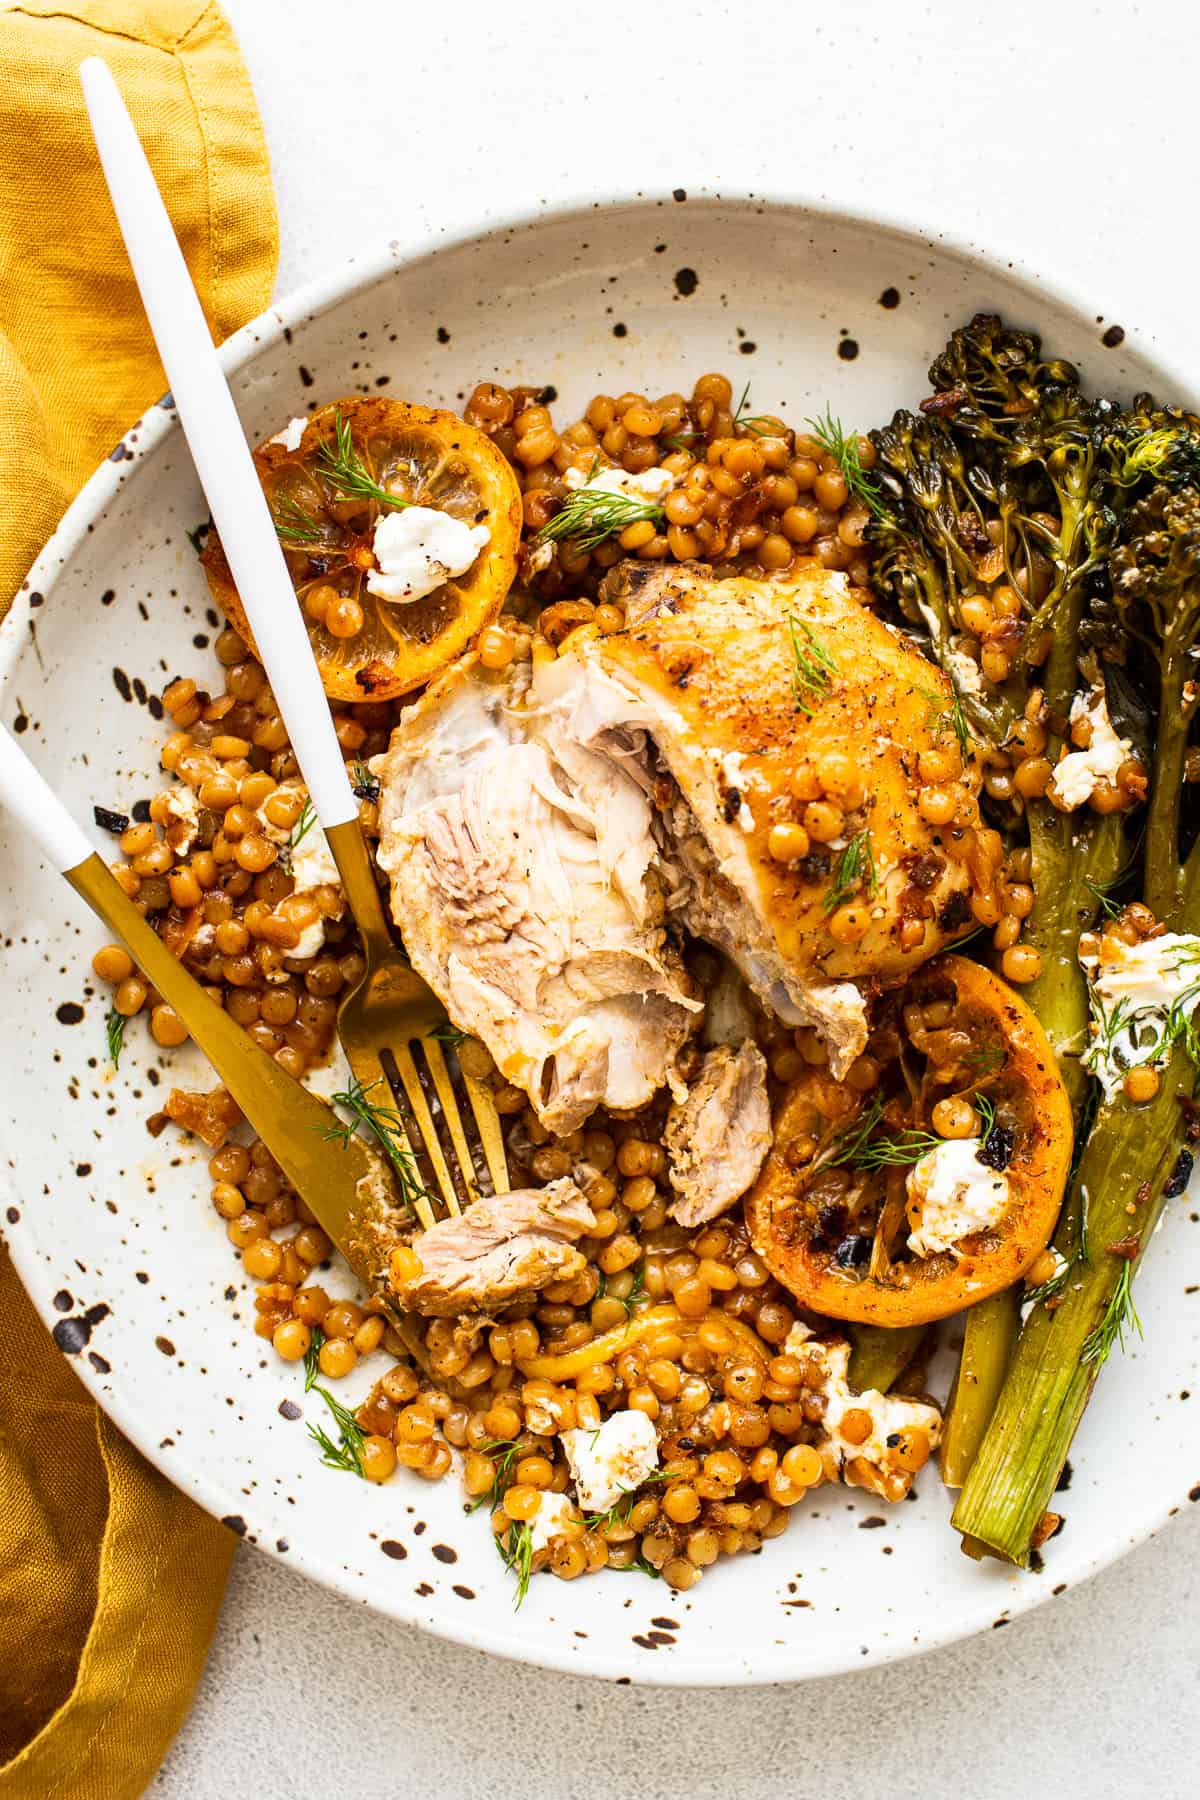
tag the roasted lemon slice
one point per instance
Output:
(377, 628)
(833, 1214)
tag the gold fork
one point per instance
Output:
(344, 1183)
(391, 1008)
(392, 1017)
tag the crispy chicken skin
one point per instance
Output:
(501, 1250)
(718, 1138)
(712, 667)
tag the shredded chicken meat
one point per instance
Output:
(524, 886)
(502, 1249)
(717, 1140)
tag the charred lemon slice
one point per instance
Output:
(938, 1187)
(386, 609)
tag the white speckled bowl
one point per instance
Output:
(112, 1231)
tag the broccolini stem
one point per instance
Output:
(881, 1354)
(1130, 1150)
(989, 1334)
(1075, 855)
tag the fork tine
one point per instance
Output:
(488, 1121)
(416, 1099)
(371, 1076)
(435, 1056)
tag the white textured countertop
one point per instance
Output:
(1033, 129)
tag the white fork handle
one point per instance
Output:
(38, 808)
(218, 445)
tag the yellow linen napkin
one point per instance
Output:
(110, 1580)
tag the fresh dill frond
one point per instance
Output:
(293, 525)
(303, 825)
(1048, 1290)
(198, 536)
(114, 1031)
(1106, 906)
(638, 1290)
(504, 1454)
(861, 1145)
(987, 1057)
(832, 438)
(986, 1109)
(1119, 1312)
(346, 472)
(639, 1566)
(592, 515)
(618, 1513)
(346, 1453)
(813, 668)
(896, 1152)
(946, 714)
(854, 869)
(364, 783)
(387, 1127)
(516, 1552)
(449, 1034)
(312, 1363)
(757, 424)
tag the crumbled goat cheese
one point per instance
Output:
(649, 484)
(312, 938)
(951, 1194)
(1078, 775)
(1134, 991)
(966, 673)
(312, 862)
(553, 1513)
(612, 1459)
(418, 548)
(291, 434)
(888, 1413)
(183, 806)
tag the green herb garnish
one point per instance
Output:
(347, 473)
(312, 1356)
(592, 515)
(516, 1552)
(1119, 1312)
(946, 714)
(363, 782)
(854, 869)
(844, 451)
(346, 1453)
(387, 1127)
(114, 1031)
(812, 666)
(292, 523)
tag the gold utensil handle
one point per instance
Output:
(291, 1122)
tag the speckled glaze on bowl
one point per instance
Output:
(112, 1230)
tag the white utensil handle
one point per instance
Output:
(218, 445)
(38, 808)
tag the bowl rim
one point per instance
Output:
(293, 312)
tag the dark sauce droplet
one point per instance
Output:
(686, 281)
(620, 330)
(890, 298)
(391, 1548)
(1113, 336)
(69, 1013)
(848, 349)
